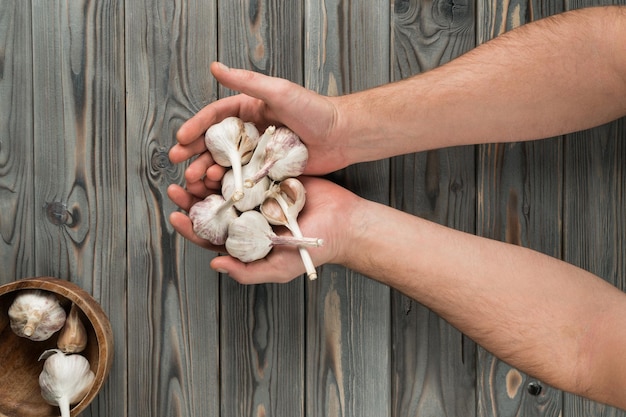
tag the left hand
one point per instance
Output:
(328, 214)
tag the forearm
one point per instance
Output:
(539, 314)
(550, 77)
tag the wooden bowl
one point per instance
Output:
(20, 395)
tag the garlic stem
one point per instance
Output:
(293, 226)
(260, 174)
(64, 406)
(237, 175)
(258, 157)
(297, 241)
(226, 205)
(32, 323)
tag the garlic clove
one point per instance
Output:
(232, 143)
(250, 238)
(65, 379)
(273, 212)
(36, 314)
(253, 197)
(211, 217)
(283, 201)
(73, 336)
(285, 156)
(247, 239)
(282, 205)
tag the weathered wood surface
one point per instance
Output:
(17, 200)
(519, 201)
(439, 186)
(92, 94)
(347, 49)
(173, 301)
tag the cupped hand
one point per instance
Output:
(328, 213)
(264, 101)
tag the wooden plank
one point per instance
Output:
(593, 228)
(348, 370)
(594, 218)
(80, 175)
(262, 336)
(173, 320)
(17, 205)
(434, 364)
(519, 202)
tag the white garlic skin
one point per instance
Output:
(65, 379)
(252, 197)
(248, 237)
(289, 153)
(211, 218)
(231, 134)
(285, 156)
(36, 314)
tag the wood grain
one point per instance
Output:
(80, 173)
(173, 318)
(92, 95)
(17, 208)
(262, 338)
(348, 369)
(594, 218)
(520, 202)
(433, 364)
(594, 230)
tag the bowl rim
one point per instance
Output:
(94, 313)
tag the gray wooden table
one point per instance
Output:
(92, 93)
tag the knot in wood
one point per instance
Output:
(160, 160)
(58, 214)
(534, 388)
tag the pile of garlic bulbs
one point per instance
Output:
(259, 190)
(66, 376)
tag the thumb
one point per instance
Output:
(251, 83)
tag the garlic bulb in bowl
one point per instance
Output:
(36, 315)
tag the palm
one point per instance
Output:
(318, 219)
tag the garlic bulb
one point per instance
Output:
(254, 196)
(211, 218)
(285, 156)
(73, 336)
(250, 237)
(65, 379)
(281, 207)
(231, 143)
(36, 314)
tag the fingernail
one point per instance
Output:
(221, 271)
(223, 67)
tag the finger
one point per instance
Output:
(215, 173)
(250, 83)
(195, 127)
(181, 197)
(180, 153)
(199, 190)
(197, 169)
